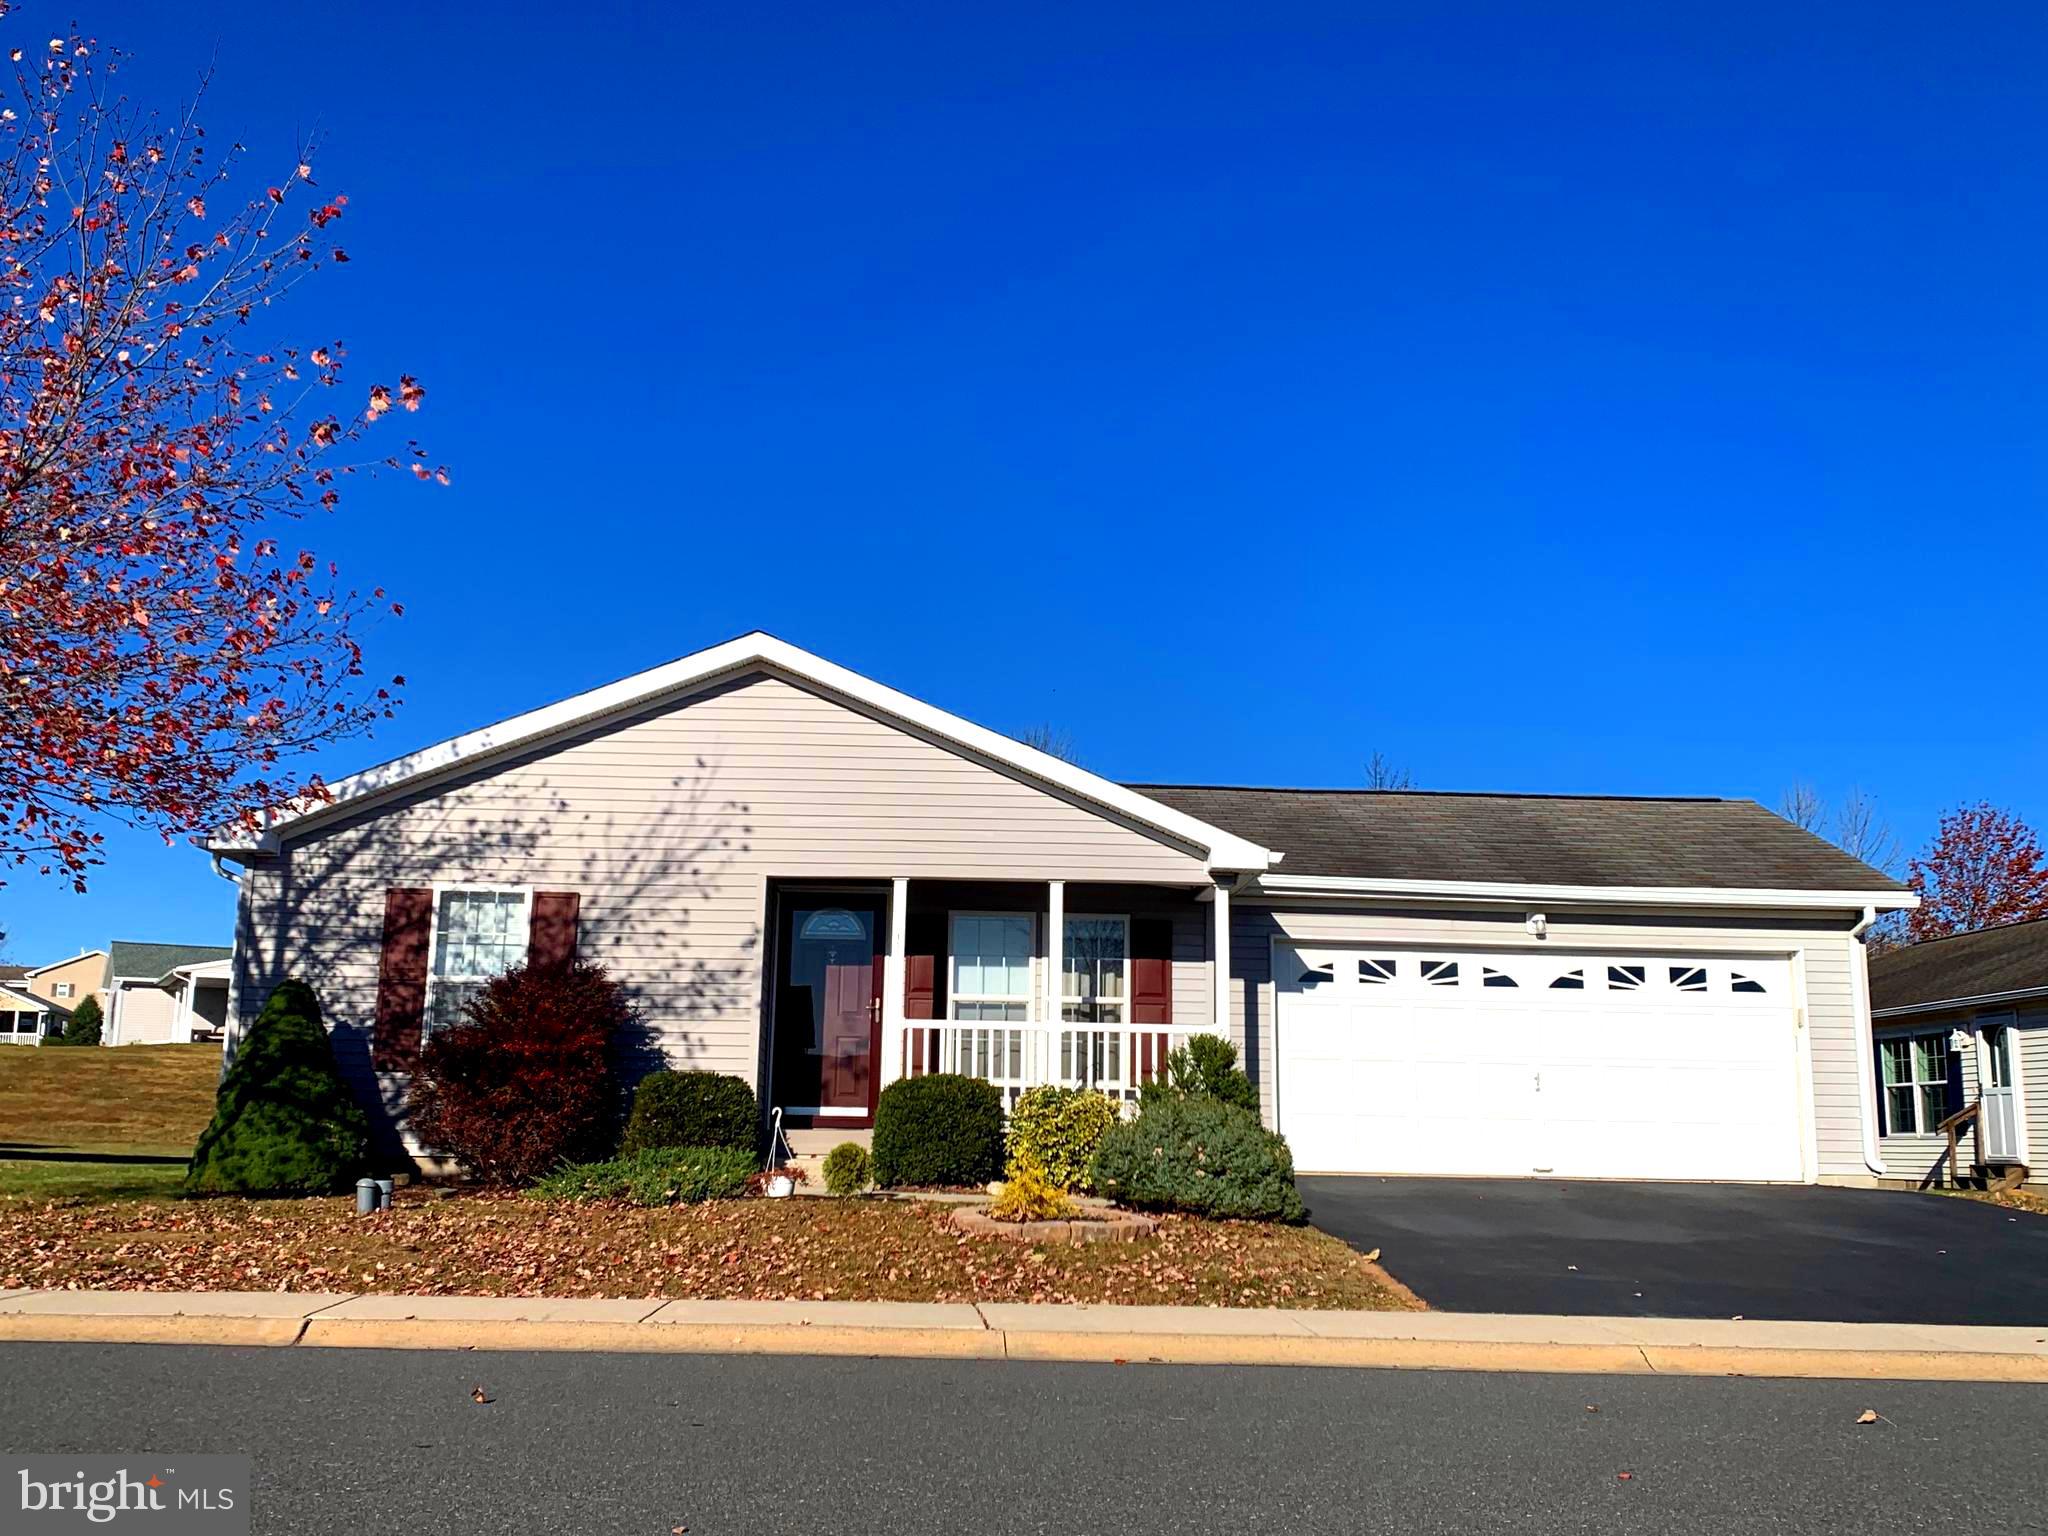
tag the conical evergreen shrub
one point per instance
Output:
(285, 1123)
(84, 1025)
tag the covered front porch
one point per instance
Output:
(868, 982)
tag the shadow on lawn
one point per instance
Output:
(38, 1152)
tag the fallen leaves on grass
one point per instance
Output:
(506, 1245)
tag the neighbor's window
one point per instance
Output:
(478, 934)
(992, 967)
(1915, 1082)
(62, 989)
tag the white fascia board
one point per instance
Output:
(1947, 1004)
(750, 652)
(59, 964)
(1614, 895)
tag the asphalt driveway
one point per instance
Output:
(1695, 1250)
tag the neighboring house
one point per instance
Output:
(1959, 1021)
(26, 1019)
(138, 1009)
(199, 996)
(822, 884)
(72, 981)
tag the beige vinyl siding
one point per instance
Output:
(2030, 1054)
(671, 826)
(1912, 1157)
(86, 974)
(138, 1013)
(1824, 956)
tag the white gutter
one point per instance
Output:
(1866, 1049)
(1943, 1005)
(1272, 884)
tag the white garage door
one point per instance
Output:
(1548, 1063)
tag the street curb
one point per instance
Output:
(1074, 1334)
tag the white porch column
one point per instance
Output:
(1055, 947)
(893, 977)
(1219, 978)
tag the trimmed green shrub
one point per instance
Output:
(658, 1176)
(692, 1109)
(83, 1027)
(1206, 1067)
(1057, 1131)
(848, 1169)
(284, 1123)
(1201, 1156)
(942, 1129)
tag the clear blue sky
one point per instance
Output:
(1623, 398)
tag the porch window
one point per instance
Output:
(991, 967)
(1095, 960)
(1915, 1082)
(1092, 974)
(479, 933)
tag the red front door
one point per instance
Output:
(828, 1007)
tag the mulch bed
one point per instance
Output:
(800, 1249)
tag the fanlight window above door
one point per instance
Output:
(833, 923)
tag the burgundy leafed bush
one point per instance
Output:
(529, 1079)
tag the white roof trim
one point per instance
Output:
(1225, 850)
(1944, 1004)
(57, 964)
(196, 970)
(22, 994)
(1626, 895)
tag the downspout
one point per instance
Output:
(231, 1033)
(1866, 1049)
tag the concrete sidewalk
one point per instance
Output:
(1012, 1331)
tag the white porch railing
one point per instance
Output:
(1019, 1056)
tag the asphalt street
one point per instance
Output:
(352, 1442)
(1604, 1249)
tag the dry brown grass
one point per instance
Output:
(130, 1098)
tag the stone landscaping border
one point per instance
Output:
(1109, 1227)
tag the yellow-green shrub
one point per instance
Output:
(1058, 1130)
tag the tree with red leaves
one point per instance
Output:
(1984, 868)
(164, 652)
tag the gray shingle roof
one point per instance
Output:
(1527, 839)
(125, 957)
(2011, 958)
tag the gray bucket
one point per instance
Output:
(384, 1194)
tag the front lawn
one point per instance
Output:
(101, 1123)
(513, 1245)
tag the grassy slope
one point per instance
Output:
(109, 1122)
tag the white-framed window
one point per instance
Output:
(1915, 1069)
(479, 932)
(1094, 964)
(61, 989)
(1997, 1050)
(989, 967)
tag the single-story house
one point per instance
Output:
(26, 1019)
(823, 884)
(198, 990)
(1960, 1021)
(70, 981)
(138, 1009)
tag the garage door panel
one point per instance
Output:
(1641, 1066)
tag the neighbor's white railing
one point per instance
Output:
(1019, 1056)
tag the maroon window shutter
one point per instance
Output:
(402, 978)
(551, 933)
(1151, 970)
(924, 965)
